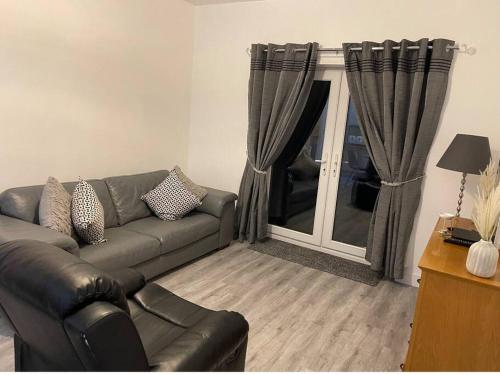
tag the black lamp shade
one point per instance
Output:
(467, 154)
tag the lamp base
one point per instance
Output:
(461, 194)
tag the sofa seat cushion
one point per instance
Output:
(206, 346)
(180, 336)
(176, 234)
(123, 249)
(155, 332)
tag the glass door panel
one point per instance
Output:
(299, 178)
(323, 190)
(353, 186)
(294, 185)
(358, 187)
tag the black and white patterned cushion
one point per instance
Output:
(87, 214)
(171, 200)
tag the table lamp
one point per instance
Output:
(467, 154)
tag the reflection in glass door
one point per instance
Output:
(358, 187)
(295, 175)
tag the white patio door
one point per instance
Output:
(335, 217)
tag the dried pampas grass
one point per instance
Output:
(486, 212)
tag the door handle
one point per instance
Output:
(323, 163)
(335, 165)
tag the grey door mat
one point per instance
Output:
(318, 260)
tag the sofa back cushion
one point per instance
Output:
(126, 193)
(23, 202)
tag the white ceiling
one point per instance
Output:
(210, 2)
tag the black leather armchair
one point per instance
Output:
(70, 316)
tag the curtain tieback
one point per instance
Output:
(255, 169)
(402, 182)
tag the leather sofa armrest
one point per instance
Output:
(129, 279)
(221, 204)
(106, 339)
(215, 201)
(14, 229)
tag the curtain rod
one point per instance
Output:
(464, 48)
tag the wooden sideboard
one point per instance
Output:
(456, 325)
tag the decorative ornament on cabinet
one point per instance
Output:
(482, 259)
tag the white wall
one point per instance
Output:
(93, 88)
(221, 70)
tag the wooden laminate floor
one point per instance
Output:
(301, 319)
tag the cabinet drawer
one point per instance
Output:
(456, 326)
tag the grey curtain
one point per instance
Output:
(279, 86)
(399, 95)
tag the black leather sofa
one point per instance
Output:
(136, 238)
(294, 194)
(70, 316)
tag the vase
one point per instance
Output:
(482, 259)
(497, 235)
